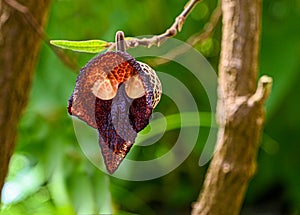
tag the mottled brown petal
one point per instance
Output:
(105, 99)
(139, 113)
(114, 66)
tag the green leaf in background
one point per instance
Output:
(174, 122)
(88, 46)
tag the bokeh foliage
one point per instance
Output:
(49, 174)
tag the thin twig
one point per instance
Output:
(157, 40)
(194, 39)
(208, 28)
(29, 18)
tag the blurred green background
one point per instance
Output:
(49, 174)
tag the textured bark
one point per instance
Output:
(240, 111)
(19, 47)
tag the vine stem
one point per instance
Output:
(157, 40)
(196, 38)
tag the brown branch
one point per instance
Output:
(32, 22)
(29, 18)
(262, 92)
(194, 39)
(131, 43)
(208, 28)
(19, 49)
(240, 111)
(157, 40)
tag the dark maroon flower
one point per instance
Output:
(116, 95)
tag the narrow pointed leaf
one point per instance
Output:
(88, 46)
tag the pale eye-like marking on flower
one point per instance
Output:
(134, 87)
(105, 89)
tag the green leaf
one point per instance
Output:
(88, 46)
(175, 121)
